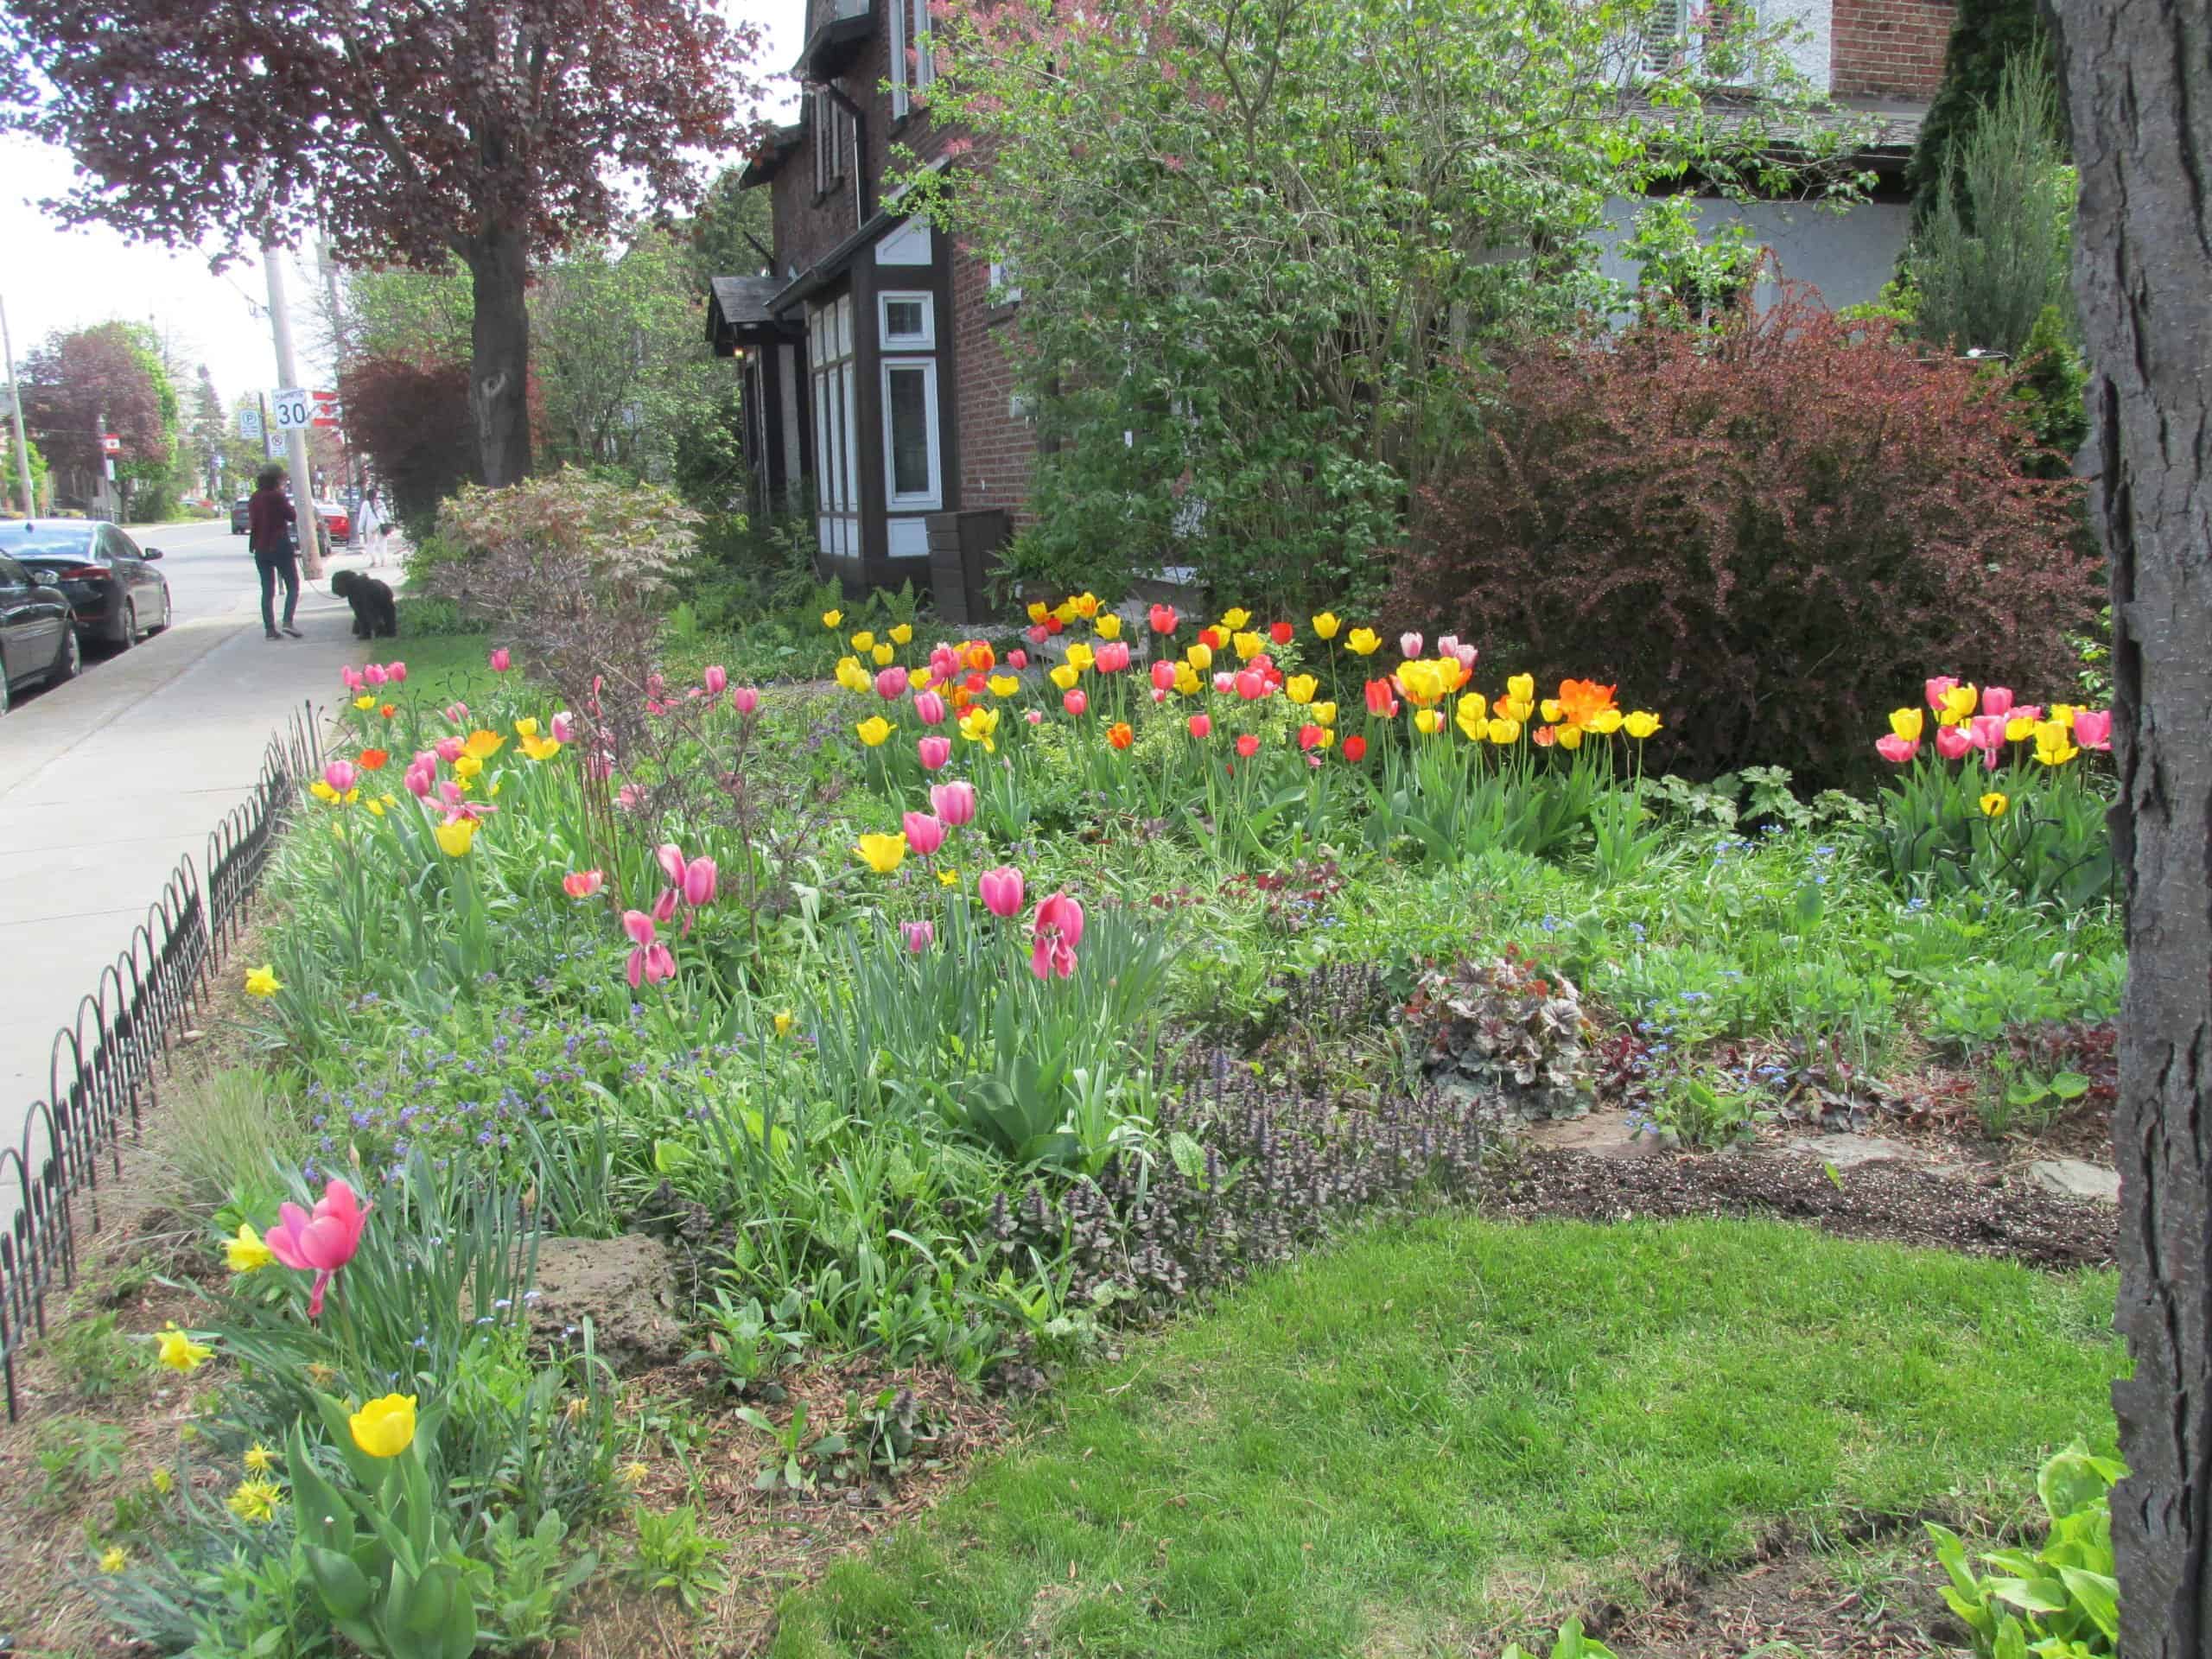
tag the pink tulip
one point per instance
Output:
(920, 936)
(944, 663)
(891, 682)
(500, 661)
(934, 752)
(649, 964)
(1075, 702)
(924, 833)
(639, 926)
(1952, 741)
(449, 794)
(395, 672)
(457, 713)
(450, 749)
(562, 728)
(630, 797)
(1054, 935)
(700, 878)
(1251, 685)
(322, 1242)
(1113, 656)
(1017, 659)
(1224, 683)
(664, 907)
(1163, 676)
(418, 778)
(1201, 726)
(2028, 711)
(1935, 688)
(581, 884)
(2093, 728)
(352, 676)
(1987, 732)
(1158, 695)
(715, 679)
(373, 674)
(1001, 890)
(929, 708)
(1894, 749)
(1410, 643)
(1038, 634)
(1035, 716)
(340, 775)
(672, 862)
(1996, 700)
(955, 802)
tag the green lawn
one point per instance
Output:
(1445, 1431)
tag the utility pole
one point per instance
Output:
(16, 414)
(295, 441)
(341, 348)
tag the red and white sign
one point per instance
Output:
(111, 444)
(326, 409)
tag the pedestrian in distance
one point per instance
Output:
(370, 528)
(269, 520)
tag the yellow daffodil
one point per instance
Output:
(2053, 747)
(259, 1459)
(113, 1560)
(526, 726)
(784, 1022)
(874, 730)
(262, 980)
(1081, 656)
(1364, 642)
(364, 703)
(981, 725)
(176, 1350)
(1039, 610)
(540, 748)
(1109, 625)
(1187, 680)
(1428, 721)
(882, 854)
(385, 1427)
(1502, 732)
(164, 1481)
(246, 1253)
(1004, 686)
(255, 1501)
(1325, 714)
(1907, 723)
(1301, 688)
(948, 878)
(882, 654)
(1641, 724)
(1607, 722)
(1247, 645)
(1064, 675)
(1326, 624)
(1235, 620)
(455, 839)
(831, 620)
(1473, 714)
(1994, 804)
(864, 640)
(634, 1473)
(1200, 657)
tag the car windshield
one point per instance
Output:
(46, 541)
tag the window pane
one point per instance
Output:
(851, 458)
(909, 415)
(903, 319)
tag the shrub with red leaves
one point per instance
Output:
(411, 419)
(1773, 533)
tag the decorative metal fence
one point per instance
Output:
(106, 1064)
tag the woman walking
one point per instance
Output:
(270, 519)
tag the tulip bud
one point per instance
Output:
(934, 752)
(745, 699)
(700, 878)
(924, 833)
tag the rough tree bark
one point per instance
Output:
(499, 379)
(2138, 86)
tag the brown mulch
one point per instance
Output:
(2014, 1219)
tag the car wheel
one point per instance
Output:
(69, 659)
(126, 626)
(5, 700)
(166, 617)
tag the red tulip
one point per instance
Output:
(1113, 656)
(1119, 734)
(1053, 624)
(1248, 746)
(1075, 702)
(1936, 687)
(1896, 750)
(1309, 737)
(1017, 660)
(1251, 685)
(1163, 676)
(1210, 638)
(1355, 748)
(1997, 700)
(500, 661)
(1281, 632)
(1380, 703)
(581, 884)
(1164, 619)
(1037, 633)
(944, 663)
(1952, 741)
(1201, 726)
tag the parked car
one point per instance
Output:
(241, 509)
(38, 634)
(111, 585)
(336, 520)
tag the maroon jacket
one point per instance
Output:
(268, 516)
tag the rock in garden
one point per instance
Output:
(1850, 1150)
(2073, 1178)
(625, 1287)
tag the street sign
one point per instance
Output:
(326, 409)
(111, 444)
(293, 408)
(248, 423)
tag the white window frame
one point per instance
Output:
(910, 25)
(1000, 271)
(831, 382)
(933, 500)
(924, 341)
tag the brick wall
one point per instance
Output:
(998, 448)
(1889, 49)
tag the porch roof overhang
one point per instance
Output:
(1878, 135)
(835, 43)
(738, 314)
(770, 156)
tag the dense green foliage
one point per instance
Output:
(1986, 35)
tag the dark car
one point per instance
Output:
(114, 589)
(38, 635)
(240, 511)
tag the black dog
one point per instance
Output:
(375, 616)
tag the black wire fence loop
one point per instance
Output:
(105, 1066)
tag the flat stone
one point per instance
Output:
(2075, 1177)
(1602, 1135)
(1850, 1150)
(625, 1287)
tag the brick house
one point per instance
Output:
(877, 387)
(876, 382)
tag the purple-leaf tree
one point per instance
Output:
(413, 133)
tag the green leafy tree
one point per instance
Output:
(1986, 36)
(1255, 237)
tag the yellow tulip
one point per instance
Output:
(1085, 604)
(1081, 656)
(1109, 625)
(246, 1253)
(1247, 645)
(1994, 804)
(1187, 680)
(1502, 732)
(1424, 682)
(1064, 612)
(831, 619)
(874, 730)
(981, 725)
(1907, 723)
(1328, 737)
(1958, 704)
(1235, 620)
(902, 634)
(1325, 714)
(540, 748)
(385, 1427)
(882, 854)
(920, 681)
(1065, 675)
(1364, 642)
(1641, 724)
(2053, 746)
(466, 767)
(484, 745)
(882, 654)
(864, 640)
(1521, 688)
(1004, 686)
(1039, 610)
(2062, 713)
(1428, 721)
(455, 839)
(1301, 688)
(177, 1351)
(2019, 729)
(1326, 624)
(1200, 657)
(1550, 706)
(262, 981)
(364, 703)
(1570, 737)
(526, 726)
(784, 1022)
(1514, 708)
(1607, 722)
(1471, 717)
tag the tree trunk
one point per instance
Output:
(499, 376)
(2138, 87)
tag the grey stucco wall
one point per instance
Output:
(1846, 256)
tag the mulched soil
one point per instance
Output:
(2013, 1218)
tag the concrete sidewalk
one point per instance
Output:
(108, 782)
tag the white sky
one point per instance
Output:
(54, 279)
